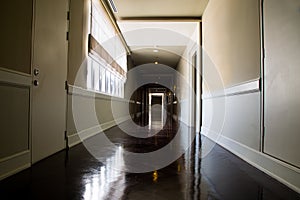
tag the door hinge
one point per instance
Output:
(67, 141)
(66, 136)
(68, 25)
(260, 84)
(66, 86)
(68, 15)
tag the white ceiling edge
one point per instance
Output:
(158, 8)
(160, 33)
(144, 36)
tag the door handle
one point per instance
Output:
(36, 72)
(36, 83)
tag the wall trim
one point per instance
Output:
(284, 173)
(78, 137)
(14, 164)
(246, 87)
(17, 162)
(74, 90)
(15, 78)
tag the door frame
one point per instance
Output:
(262, 75)
(195, 73)
(63, 144)
(162, 95)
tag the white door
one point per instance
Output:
(282, 83)
(50, 49)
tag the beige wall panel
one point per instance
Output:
(16, 35)
(102, 109)
(14, 119)
(78, 41)
(242, 123)
(231, 42)
(282, 83)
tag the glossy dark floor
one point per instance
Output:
(76, 174)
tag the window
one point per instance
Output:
(102, 79)
(107, 62)
(107, 82)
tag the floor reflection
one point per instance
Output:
(182, 179)
(109, 182)
(75, 174)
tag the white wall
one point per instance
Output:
(182, 91)
(282, 107)
(185, 88)
(80, 100)
(232, 93)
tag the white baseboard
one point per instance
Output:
(14, 164)
(284, 173)
(77, 138)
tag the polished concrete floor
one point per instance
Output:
(76, 174)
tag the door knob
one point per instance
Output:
(36, 72)
(36, 83)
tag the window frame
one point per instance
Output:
(106, 60)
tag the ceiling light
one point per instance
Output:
(155, 50)
(156, 62)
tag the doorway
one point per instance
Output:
(49, 66)
(280, 96)
(156, 110)
(194, 84)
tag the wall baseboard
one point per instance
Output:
(284, 173)
(77, 138)
(14, 164)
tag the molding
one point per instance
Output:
(162, 19)
(17, 162)
(243, 88)
(247, 87)
(77, 138)
(284, 173)
(15, 78)
(183, 122)
(14, 156)
(14, 164)
(74, 90)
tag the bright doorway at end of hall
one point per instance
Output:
(156, 110)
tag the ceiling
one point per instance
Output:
(159, 8)
(167, 55)
(163, 26)
(162, 42)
